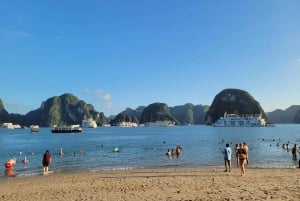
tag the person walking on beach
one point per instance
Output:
(236, 154)
(46, 161)
(242, 154)
(247, 150)
(227, 158)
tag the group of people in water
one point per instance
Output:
(9, 164)
(241, 157)
(295, 150)
(177, 151)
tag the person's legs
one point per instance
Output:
(243, 167)
(225, 162)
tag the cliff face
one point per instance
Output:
(4, 115)
(290, 115)
(129, 115)
(156, 112)
(67, 109)
(64, 109)
(189, 113)
(59, 110)
(234, 101)
(182, 114)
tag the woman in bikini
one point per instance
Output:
(242, 155)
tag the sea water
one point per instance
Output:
(142, 147)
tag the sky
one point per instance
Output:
(122, 54)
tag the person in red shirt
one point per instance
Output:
(46, 161)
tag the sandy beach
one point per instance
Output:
(156, 184)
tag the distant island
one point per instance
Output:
(67, 109)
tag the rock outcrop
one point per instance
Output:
(233, 101)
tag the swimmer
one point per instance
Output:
(178, 150)
(10, 163)
(80, 152)
(169, 153)
(25, 160)
(61, 152)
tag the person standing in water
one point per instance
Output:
(294, 152)
(46, 161)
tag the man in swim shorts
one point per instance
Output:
(227, 157)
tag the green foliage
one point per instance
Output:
(1, 105)
(61, 110)
(156, 112)
(234, 101)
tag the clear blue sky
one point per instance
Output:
(129, 53)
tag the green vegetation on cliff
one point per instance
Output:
(290, 115)
(3, 113)
(66, 109)
(156, 112)
(233, 101)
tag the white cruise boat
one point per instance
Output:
(160, 123)
(67, 129)
(233, 120)
(127, 124)
(89, 123)
(11, 126)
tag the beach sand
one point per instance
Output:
(156, 184)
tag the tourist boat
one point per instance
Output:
(234, 120)
(34, 128)
(127, 124)
(67, 129)
(11, 126)
(8, 125)
(165, 123)
(89, 123)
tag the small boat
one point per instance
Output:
(66, 129)
(34, 128)
(11, 126)
(127, 124)
(165, 123)
(89, 123)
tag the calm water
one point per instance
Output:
(145, 147)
